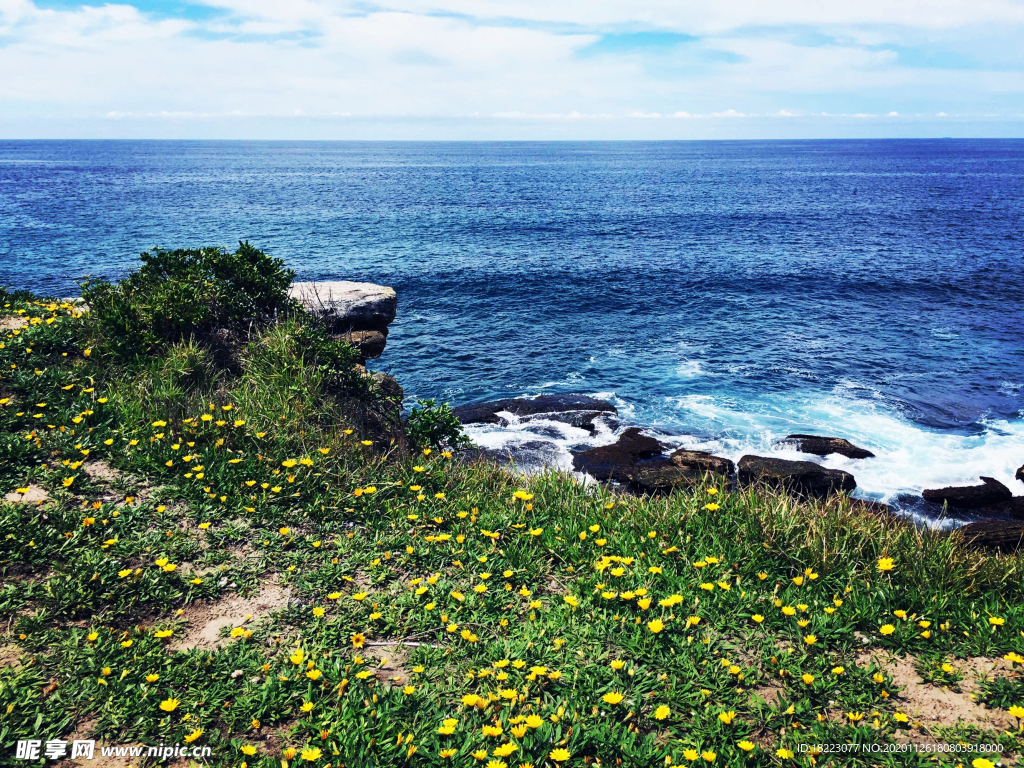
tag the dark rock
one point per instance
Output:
(802, 477)
(1004, 510)
(1020, 474)
(681, 469)
(699, 463)
(578, 419)
(823, 446)
(617, 461)
(486, 413)
(369, 344)
(1002, 536)
(970, 496)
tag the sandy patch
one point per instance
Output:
(769, 692)
(9, 657)
(11, 323)
(34, 495)
(207, 619)
(934, 705)
(100, 470)
(390, 668)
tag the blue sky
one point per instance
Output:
(515, 69)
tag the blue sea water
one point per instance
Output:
(724, 294)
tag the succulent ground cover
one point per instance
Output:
(193, 555)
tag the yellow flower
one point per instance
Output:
(811, 639)
(745, 745)
(656, 626)
(169, 705)
(163, 633)
(310, 754)
(297, 657)
(784, 753)
(709, 756)
(1017, 712)
(571, 600)
(995, 621)
(808, 679)
(887, 629)
(662, 712)
(409, 690)
(757, 618)
(194, 735)
(726, 717)
(152, 678)
(612, 698)
(885, 564)
(559, 755)
(249, 749)
(838, 670)
(318, 612)
(691, 754)
(981, 762)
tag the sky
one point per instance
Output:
(511, 70)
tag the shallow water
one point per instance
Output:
(724, 294)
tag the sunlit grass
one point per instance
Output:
(441, 613)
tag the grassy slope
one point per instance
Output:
(560, 583)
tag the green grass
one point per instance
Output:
(468, 566)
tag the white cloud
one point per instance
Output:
(462, 59)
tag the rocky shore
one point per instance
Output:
(360, 314)
(640, 463)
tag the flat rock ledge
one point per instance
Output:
(823, 446)
(356, 313)
(799, 477)
(989, 493)
(682, 469)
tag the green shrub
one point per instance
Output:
(435, 426)
(185, 294)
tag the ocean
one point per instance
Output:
(721, 294)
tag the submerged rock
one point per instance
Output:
(970, 496)
(1002, 536)
(577, 410)
(801, 477)
(618, 460)
(823, 446)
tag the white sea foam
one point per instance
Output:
(908, 457)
